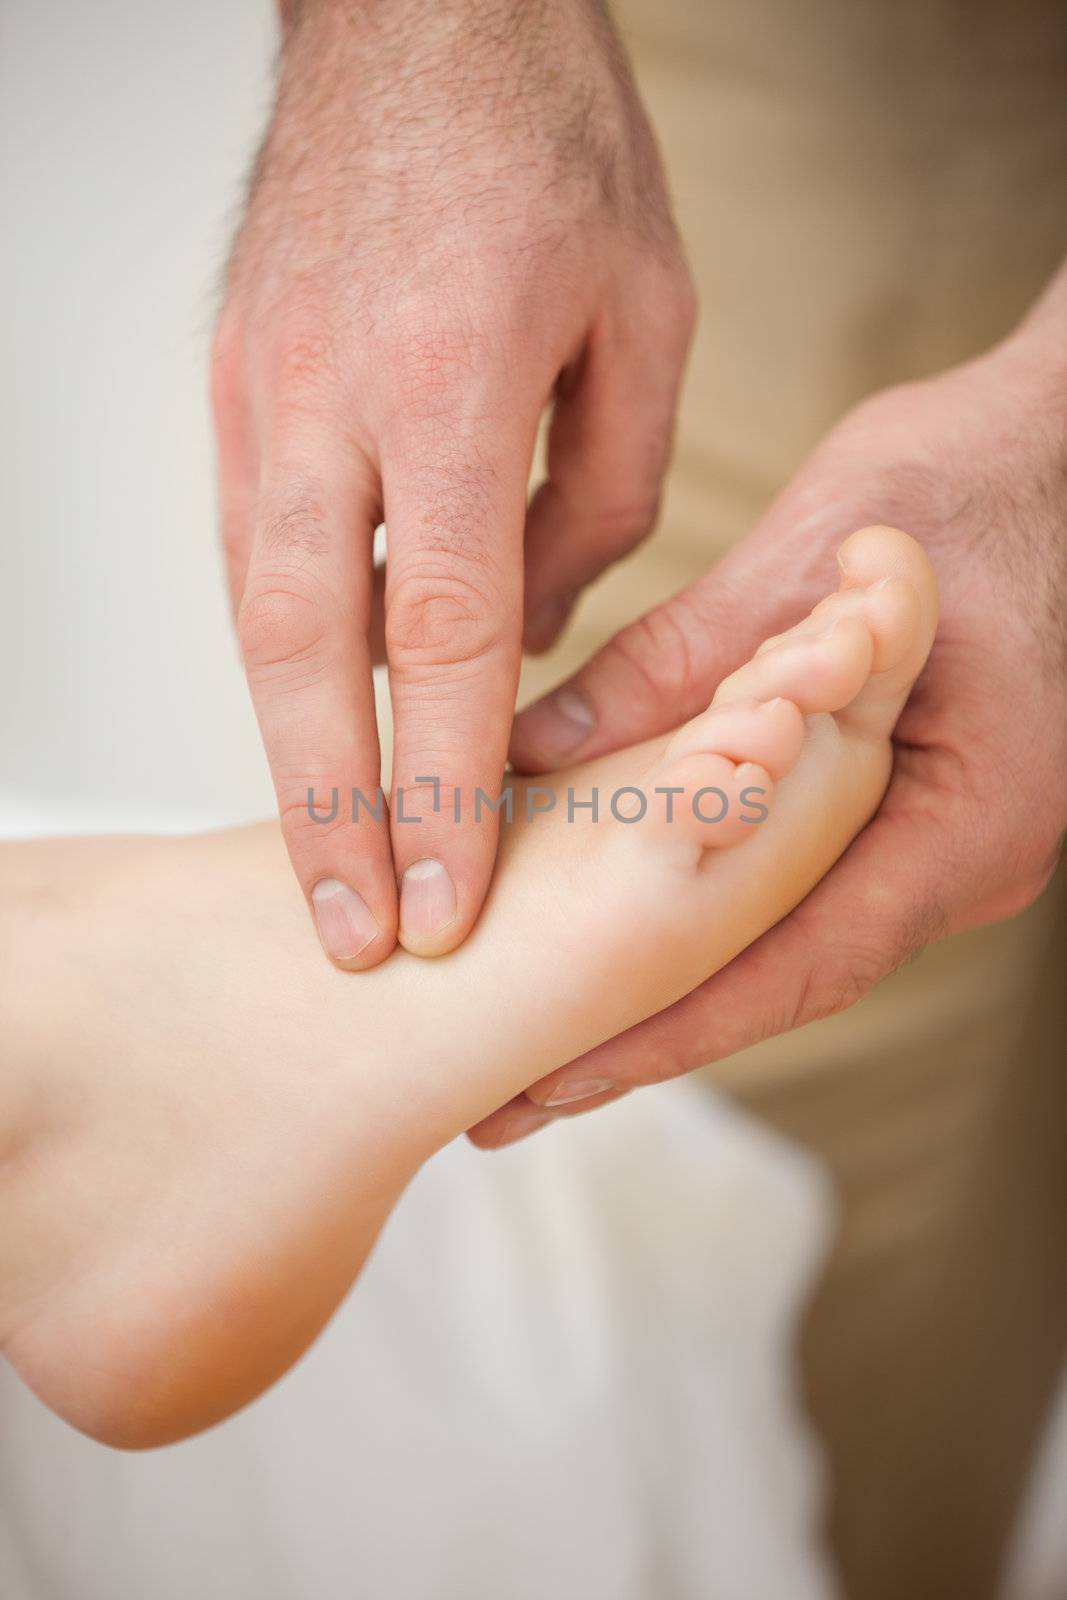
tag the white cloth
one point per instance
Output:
(564, 1375)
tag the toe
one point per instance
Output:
(887, 560)
(712, 787)
(892, 577)
(860, 648)
(819, 670)
(769, 732)
(704, 801)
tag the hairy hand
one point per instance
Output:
(974, 464)
(458, 217)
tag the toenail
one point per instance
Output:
(343, 918)
(427, 899)
(565, 1094)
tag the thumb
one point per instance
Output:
(664, 668)
(890, 894)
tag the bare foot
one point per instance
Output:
(203, 1125)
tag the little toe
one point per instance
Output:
(713, 783)
(705, 801)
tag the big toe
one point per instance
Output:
(890, 576)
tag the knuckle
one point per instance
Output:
(302, 349)
(842, 977)
(823, 993)
(442, 618)
(281, 621)
(312, 836)
(431, 343)
(654, 653)
(621, 524)
(429, 356)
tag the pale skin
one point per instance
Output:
(236, 1118)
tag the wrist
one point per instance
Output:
(459, 26)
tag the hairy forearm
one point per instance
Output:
(506, 62)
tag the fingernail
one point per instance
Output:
(558, 724)
(523, 1119)
(427, 899)
(564, 1094)
(569, 703)
(345, 921)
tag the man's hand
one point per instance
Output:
(975, 465)
(458, 216)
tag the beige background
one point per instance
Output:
(868, 193)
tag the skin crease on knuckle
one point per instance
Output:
(281, 622)
(656, 659)
(442, 614)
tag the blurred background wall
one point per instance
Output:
(127, 130)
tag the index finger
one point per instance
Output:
(302, 624)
